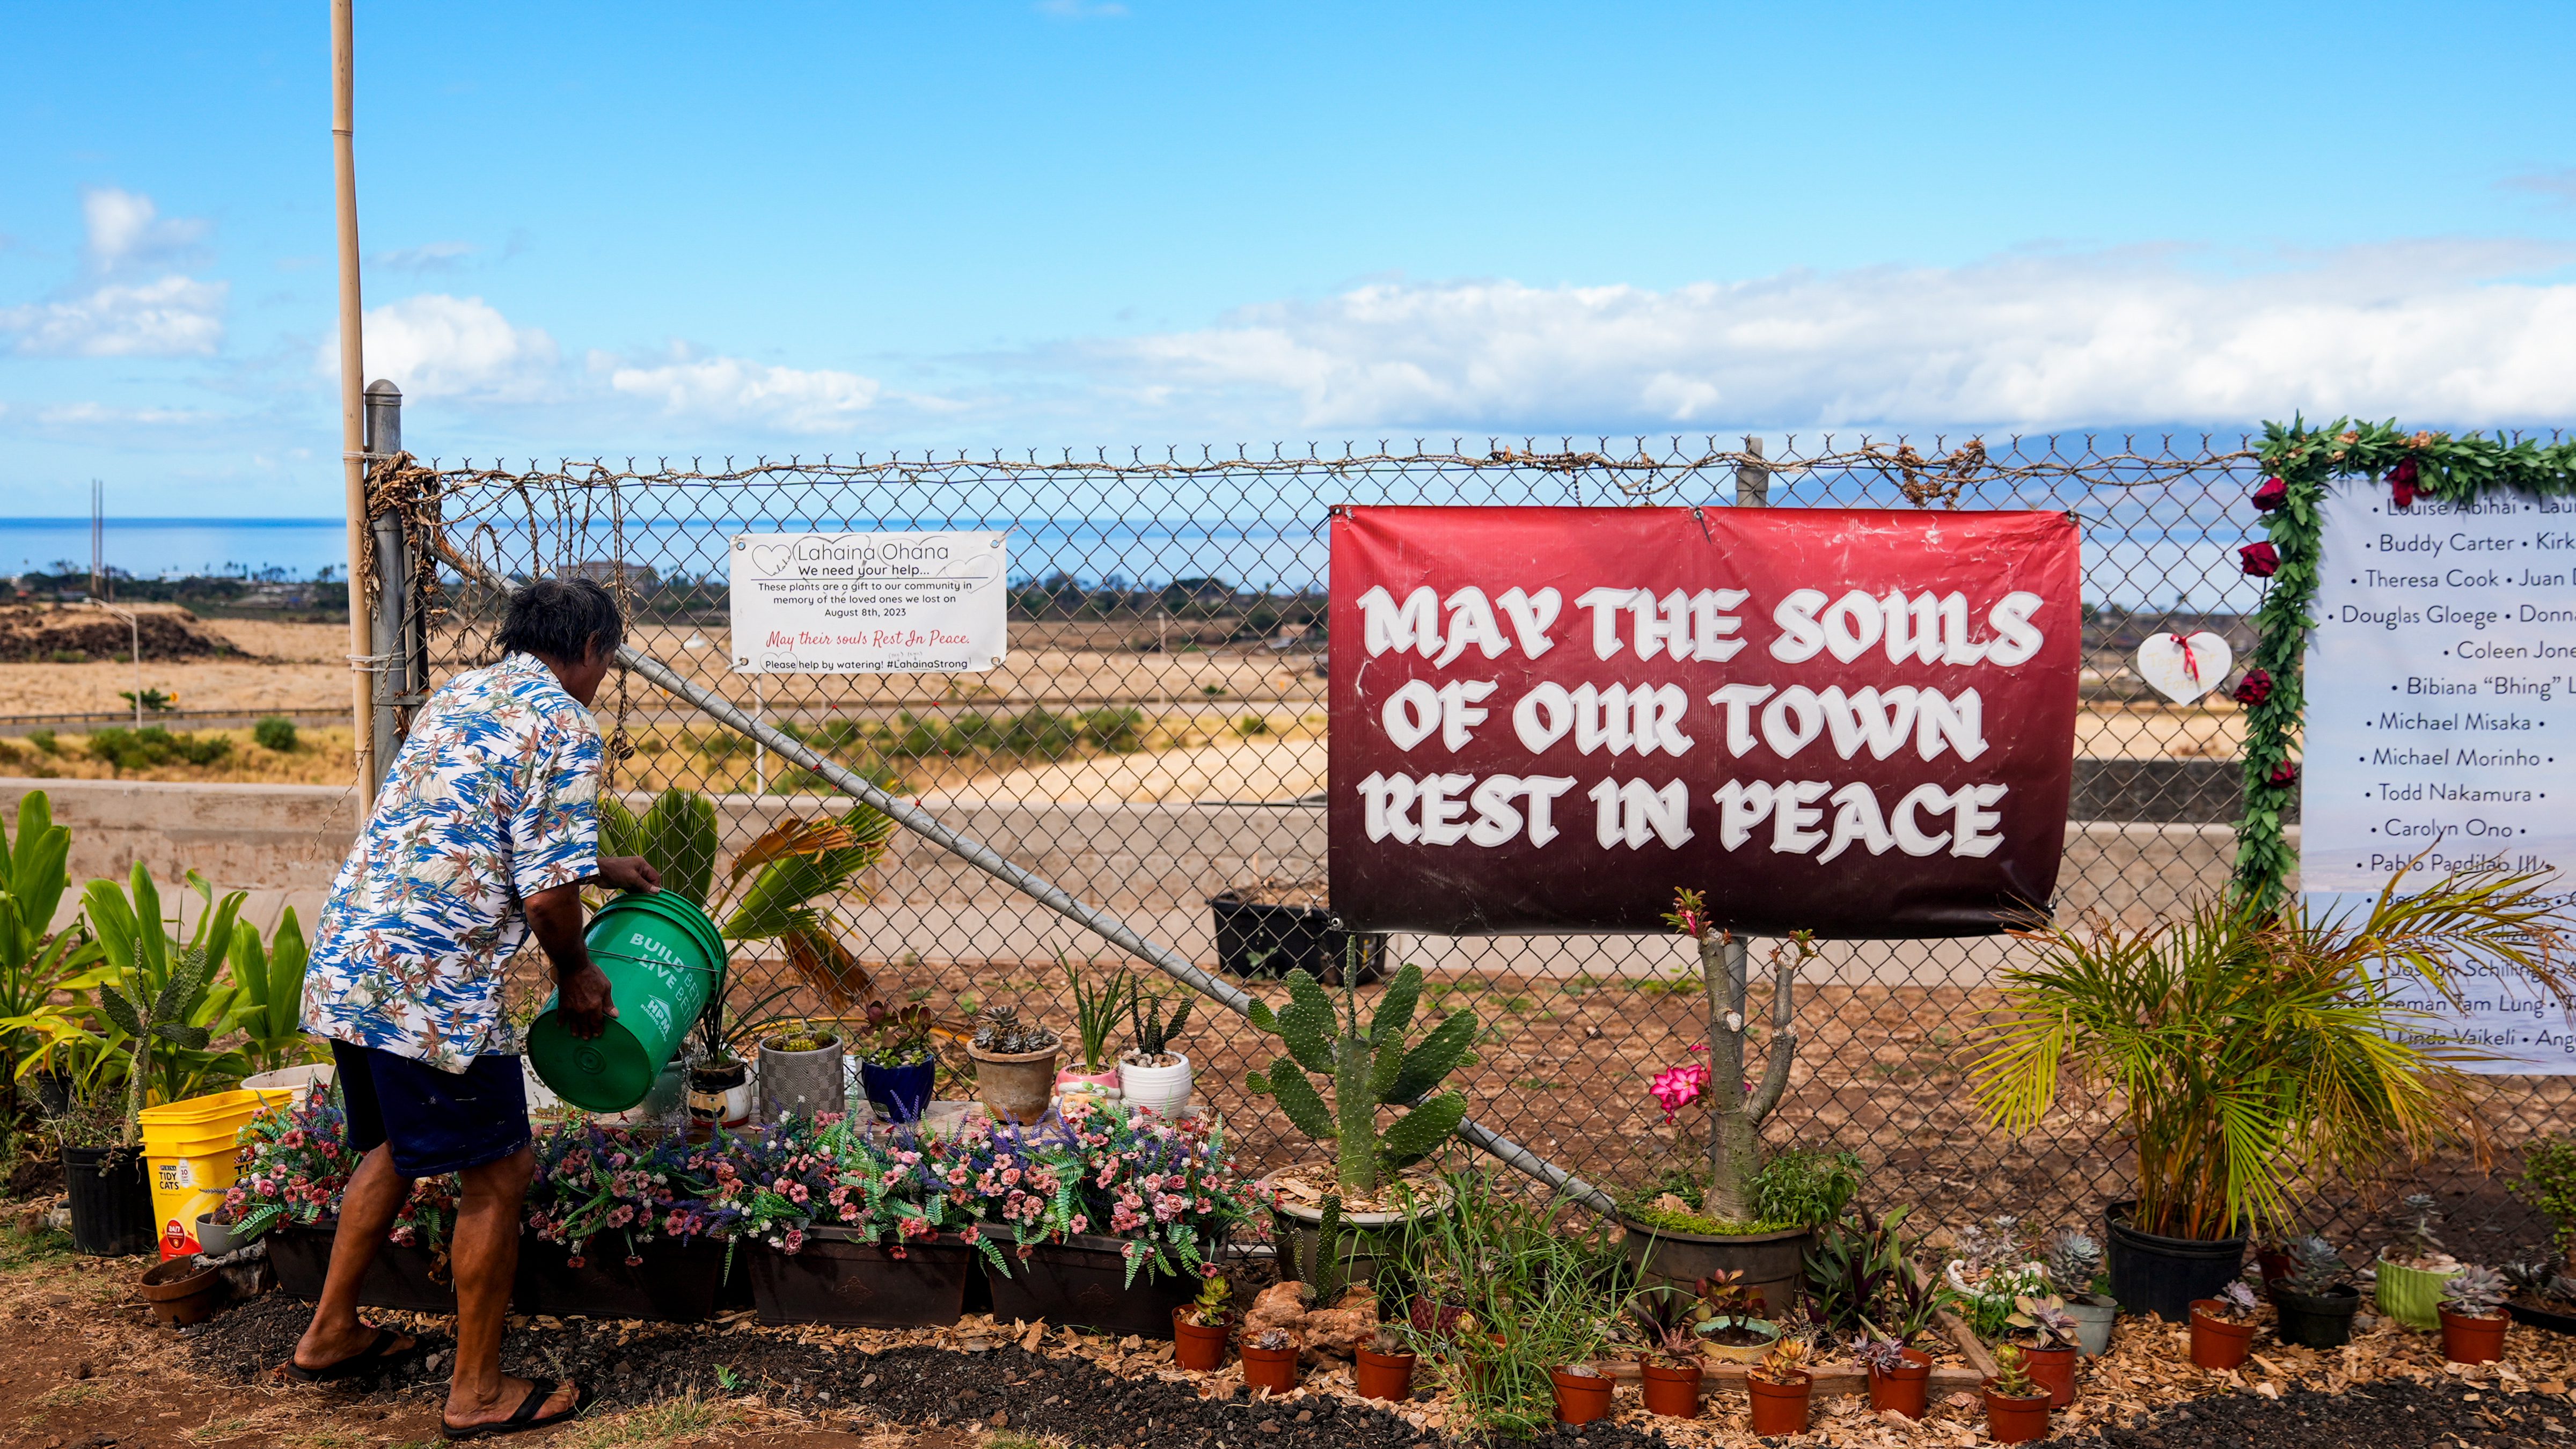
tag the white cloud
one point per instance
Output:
(125, 227)
(437, 256)
(100, 415)
(731, 390)
(2450, 331)
(435, 345)
(173, 317)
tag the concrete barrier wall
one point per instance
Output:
(1155, 864)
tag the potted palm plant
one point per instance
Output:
(1151, 1076)
(1338, 1223)
(2247, 1050)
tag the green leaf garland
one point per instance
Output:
(2308, 461)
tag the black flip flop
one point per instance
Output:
(523, 1418)
(374, 1355)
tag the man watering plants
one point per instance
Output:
(484, 833)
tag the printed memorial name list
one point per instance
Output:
(1855, 722)
(2441, 721)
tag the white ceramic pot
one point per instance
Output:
(1164, 1091)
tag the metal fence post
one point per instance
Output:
(392, 630)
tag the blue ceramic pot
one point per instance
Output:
(898, 1093)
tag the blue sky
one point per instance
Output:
(808, 228)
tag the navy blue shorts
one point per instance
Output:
(436, 1122)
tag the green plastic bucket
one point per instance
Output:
(664, 961)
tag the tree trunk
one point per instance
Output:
(1734, 1145)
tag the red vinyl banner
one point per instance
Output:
(1855, 722)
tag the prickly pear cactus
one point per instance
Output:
(1338, 1073)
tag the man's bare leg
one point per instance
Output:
(376, 1193)
(485, 1256)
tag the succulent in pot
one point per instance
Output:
(2222, 1328)
(800, 1072)
(1670, 1367)
(2313, 1300)
(2409, 1275)
(1900, 1378)
(2075, 1274)
(2473, 1315)
(1728, 1319)
(1153, 1077)
(1780, 1387)
(2046, 1333)
(2016, 1405)
(1270, 1361)
(1014, 1064)
(1383, 1368)
(899, 1067)
(1199, 1329)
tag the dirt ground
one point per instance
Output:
(87, 1369)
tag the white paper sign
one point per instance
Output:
(2441, 722)
(869, 603)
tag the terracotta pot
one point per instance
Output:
(1671, 1392)
(1779, 1408)
(2215, 1342)
(1016, 1086)
(2015, 1421)
(1194, 1347)
(182, 1292)
(1269, 1370)
(1907, 1390)
(2473, 1340)
(2275, 1265)
(1386, 1376)
(2053, 1369)
(1580, 1398)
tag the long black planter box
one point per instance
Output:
(1082, 1283)
(674, 1282)
(407, 1278)
(2550, 1319)
(839, 1279)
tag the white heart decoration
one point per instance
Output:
(2181, 669)
(770, 559)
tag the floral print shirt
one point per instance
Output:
(493, 797)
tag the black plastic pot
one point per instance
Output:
(2154, 1274)
(2550, 1319)
(673, 1282)
(1082, 1283)
(1261, 941)
(50, 1091)
(111, 1201)
(2315, 1320)
(408, 1277)
(840, 1280)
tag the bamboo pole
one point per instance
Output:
(353, 418)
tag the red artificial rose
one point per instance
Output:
(2271, 495)
(2261, 559)
(2255, 687)
(2285, 773)
(2401, 483)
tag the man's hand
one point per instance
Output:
(629, 873)
(582, 994)
(582, 1002)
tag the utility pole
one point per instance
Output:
(353, 418)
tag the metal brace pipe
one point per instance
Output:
(1038, 888)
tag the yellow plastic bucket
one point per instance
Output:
(189, 1149)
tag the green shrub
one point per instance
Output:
(1251, 726)
(45, 741)
(1808, 1189)
(71, 656)
(1121, 731)
(2548, 1182)
(275, 732)
(1042, 731)
(125, 749)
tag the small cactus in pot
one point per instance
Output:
(1014, 1064)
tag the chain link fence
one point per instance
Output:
(1156, 739)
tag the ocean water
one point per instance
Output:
(154, 547)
